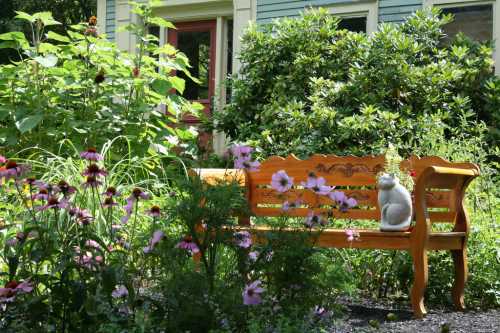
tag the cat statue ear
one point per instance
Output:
(395, 204)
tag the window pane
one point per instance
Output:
(196, 46)
(475, 22)
(355, 24)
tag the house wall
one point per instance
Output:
(388, 10)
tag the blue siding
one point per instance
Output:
(110, 19)
(389, 10)
(397, 10)
(267, 10)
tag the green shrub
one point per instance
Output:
(341, 92)
(81, 87)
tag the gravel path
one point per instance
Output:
(370, 316)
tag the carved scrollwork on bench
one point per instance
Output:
(349, 169)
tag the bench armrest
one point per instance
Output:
(454, 179)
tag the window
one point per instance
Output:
(355, 24)
(474, 21)
(358, 17)
(480, 20)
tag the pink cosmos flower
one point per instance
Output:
(241, 152)
(91, 154)
(251, 294)
(343, 201)
(157, 237)
(290, 205)
(253, 256)
(281, 182)
(120, 291)
(317, 185)
(246, 164)
(243, 239)
(351, 235)
(314, 220)
(188, 244)
(93, 244)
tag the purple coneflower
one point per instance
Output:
(120, 292)
(317, 185)
(109, 202)
(91, 154)
(188, 244)
(137, 193)
(91, 182)
(154, 211)
(93, 170)
(251, 294)
(13, 170)
(42, 194)
(157, 237)
(64, 188)
(111, 192)
(243, 239)
(82, 216)
(54, 202)
(281, 182)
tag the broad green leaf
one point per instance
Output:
(161, 86)
(13, 35)
(161, 22)
(25, 16)
(48, 48)
(55, 36)
(28, 123)
(49, 60)
(178, 83)
(46, 18)
(9, 45)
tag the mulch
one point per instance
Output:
(372, 316)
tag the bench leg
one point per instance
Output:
(420, 277)
(460, 263)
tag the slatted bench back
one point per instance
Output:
(355, 176)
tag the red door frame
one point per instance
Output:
(172, 39)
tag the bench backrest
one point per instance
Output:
(356, 176)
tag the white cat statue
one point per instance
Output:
(395, 204)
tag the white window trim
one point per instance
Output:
(466, 3)
(367, 9)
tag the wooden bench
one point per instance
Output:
(438, 198)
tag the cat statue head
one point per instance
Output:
(387, 181)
